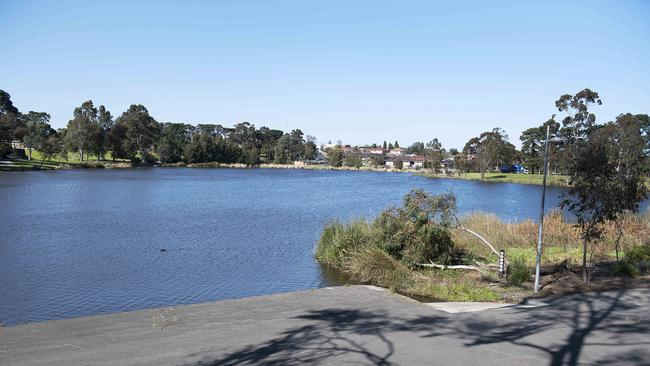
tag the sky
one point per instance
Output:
(355, 71)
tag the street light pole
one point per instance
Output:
(541, 214)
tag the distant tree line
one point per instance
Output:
(135, 135)
(138, 137)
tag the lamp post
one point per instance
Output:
(540, 233)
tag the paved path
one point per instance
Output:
(345, 325)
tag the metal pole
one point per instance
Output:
(541, 214)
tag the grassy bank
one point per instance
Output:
(553, 180)
(386, 252)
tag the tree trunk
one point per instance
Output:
(619, 228)
(30, 153)
(82, 155)
(584, 261)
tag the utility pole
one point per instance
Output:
(541, 214)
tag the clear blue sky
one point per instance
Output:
(358, 71)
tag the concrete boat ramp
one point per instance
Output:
(347, 325)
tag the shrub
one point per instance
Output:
(638, 253)
(518, 271)
(431, 243)
(390, 232)
(417, 232)
(148, 159)
(625, 269)
(5, 149)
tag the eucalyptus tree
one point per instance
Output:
(353, 161)
(83, 129)
(310, 150)
(435, 153)
(335, 156)
(105, 123)
(297, 145)
(606, 179)
(172, 142)
(37, 130)
(579, 120)
(268, 138)
(644, 122)
(532, 145)
(488, 149)
(283, 152)
(11, 125)
(416, 148)
(50, 147)
(142, 131)
(115, 141)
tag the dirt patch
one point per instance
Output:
(569, 281)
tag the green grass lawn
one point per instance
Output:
(554, 180)
(551, 179)
(57, 162)
(23, 164)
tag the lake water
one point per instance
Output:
(83, 242)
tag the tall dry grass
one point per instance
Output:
(561, 238)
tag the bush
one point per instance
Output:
(148, 159)
(5, 149)
(418, 231)
(518, 271)
(625, 269)
(638, 253)
(432, 243)
(390, 236)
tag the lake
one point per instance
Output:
(84, 242)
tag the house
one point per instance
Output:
(417, 161)
(377, 151)
(411, 161)
(347, 149)
(447, 163)
(321, 159)
(398, 151)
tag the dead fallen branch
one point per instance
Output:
(460, 266)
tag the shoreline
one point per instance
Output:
(23, 165)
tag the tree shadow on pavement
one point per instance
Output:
(327, 334)
(598, 328)
(565, 328)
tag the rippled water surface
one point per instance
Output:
(85, 242)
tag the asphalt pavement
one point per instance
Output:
(347, 325)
